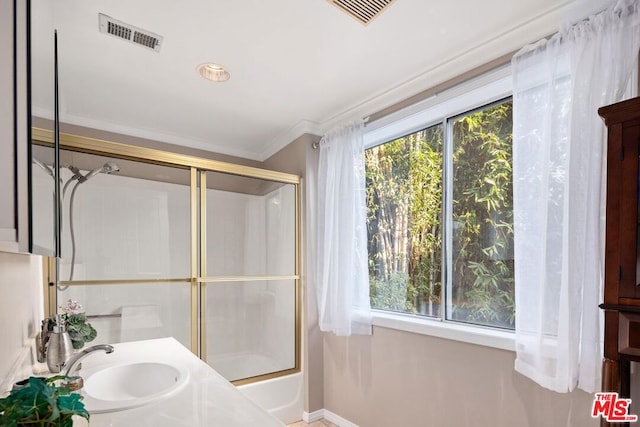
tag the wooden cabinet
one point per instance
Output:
(622, 262)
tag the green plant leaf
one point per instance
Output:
(41, 403)
(71, 405)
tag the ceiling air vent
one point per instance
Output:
(132, 34)
(362, 10)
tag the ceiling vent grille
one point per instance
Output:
(362, 10)
(132, 34)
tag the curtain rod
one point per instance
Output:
(316, 144)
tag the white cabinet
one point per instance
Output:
(7, 220)
(14, 164)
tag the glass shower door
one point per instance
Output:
(209, 258)
(126, 247)
(249, 293)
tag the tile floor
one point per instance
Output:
(322, 423)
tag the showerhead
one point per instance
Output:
(110, 167)
(107, 168)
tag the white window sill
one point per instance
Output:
(488, 337)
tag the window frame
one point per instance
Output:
(441, 109)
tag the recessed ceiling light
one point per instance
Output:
(214, 72)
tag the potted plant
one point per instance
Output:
(40, 402)
(80, 331)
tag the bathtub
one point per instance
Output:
(282, 397)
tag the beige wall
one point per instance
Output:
(20, 305)
(315, 352)
(293, 159)
(396, 378)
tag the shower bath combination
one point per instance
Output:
(131, 266)
(76, 179)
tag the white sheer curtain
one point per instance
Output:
(340, 237)
(559, 148)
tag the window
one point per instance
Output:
(404, 211)
(440, 233)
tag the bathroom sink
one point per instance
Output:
(131, 385)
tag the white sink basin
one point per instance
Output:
(132, 385)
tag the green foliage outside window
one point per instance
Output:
(405, 211)
(404, 199)
(483, 266)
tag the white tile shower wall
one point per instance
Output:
(235, 228)
(280, 255)
(251, 322)
(235, 311)
(20, 307)
(130, 228)
(133, 228)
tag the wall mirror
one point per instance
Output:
(44, 173)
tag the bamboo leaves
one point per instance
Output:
(405, 184)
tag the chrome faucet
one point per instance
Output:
(84, 353)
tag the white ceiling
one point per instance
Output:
(296, 65)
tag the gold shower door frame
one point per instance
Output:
(198, 168)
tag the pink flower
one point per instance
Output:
(72, 307)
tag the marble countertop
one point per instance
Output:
(207, 399)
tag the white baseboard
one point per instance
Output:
(326, 415)
(313, 416)
(337, 419)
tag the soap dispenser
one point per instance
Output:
(59, 348)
